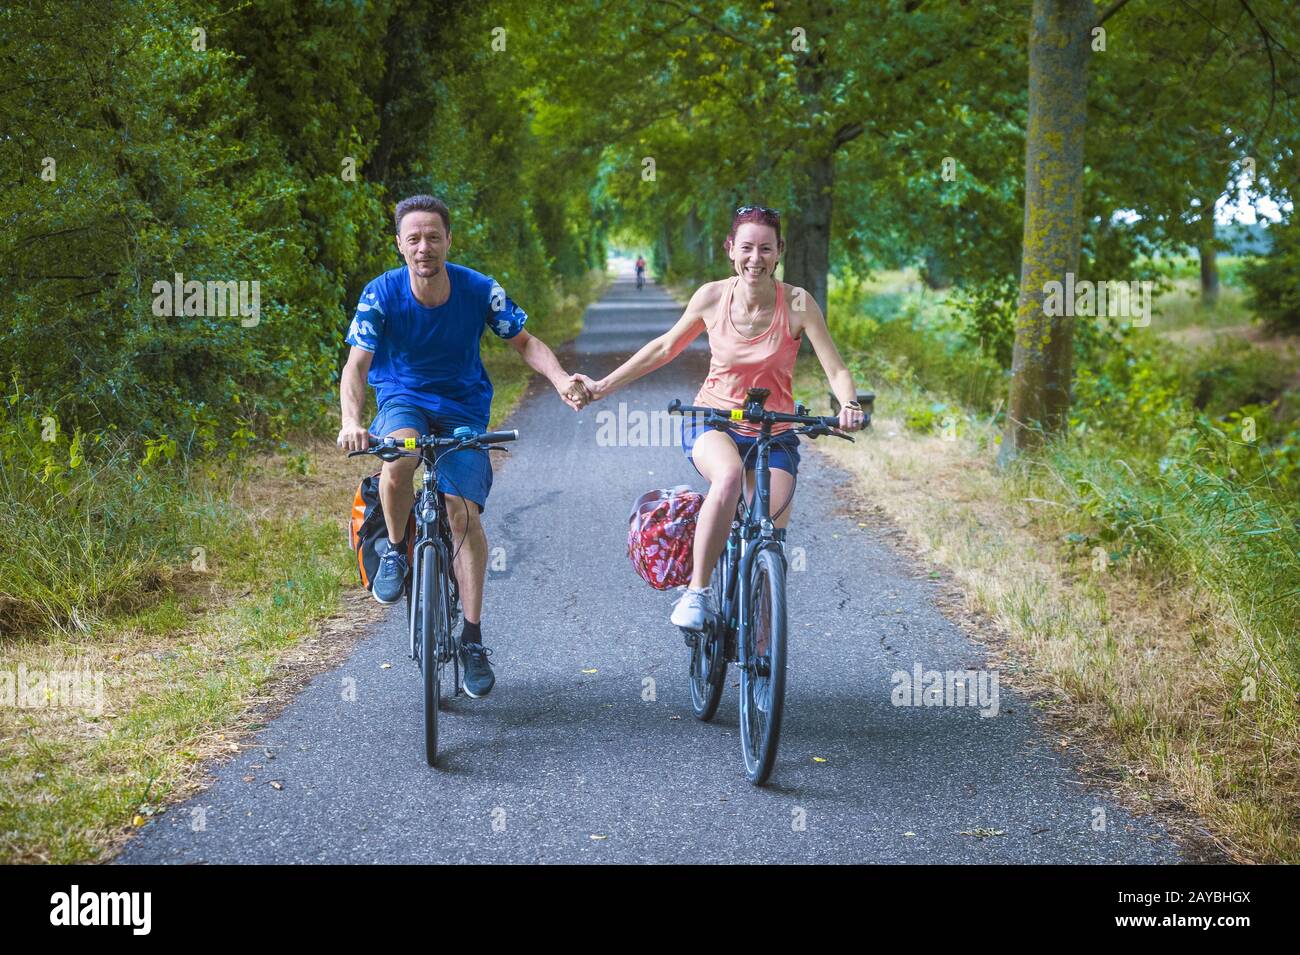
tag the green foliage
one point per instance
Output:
(985, 312)
(265, 145)
(1274, 279)
(205, 154)
(1232, 372)
(93, 526)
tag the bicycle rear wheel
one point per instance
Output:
(762, 679)
(708, 652)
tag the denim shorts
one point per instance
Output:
(467, 473)
(783, 452)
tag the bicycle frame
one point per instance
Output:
(430, 522)
(750, 535)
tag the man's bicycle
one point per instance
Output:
(432, 595)
(749, 625)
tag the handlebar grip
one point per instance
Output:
(492, 437)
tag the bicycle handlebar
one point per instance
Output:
(744, 414)
(399, 447)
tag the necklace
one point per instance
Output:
(752, 320)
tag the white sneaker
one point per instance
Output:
(692, 609)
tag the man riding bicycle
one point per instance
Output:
(415, 338)
(640, 271)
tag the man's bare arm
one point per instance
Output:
(539, 357)
(354, 436)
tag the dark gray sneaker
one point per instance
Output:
(478, 679)
(390, 580)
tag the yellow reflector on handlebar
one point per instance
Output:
(737, 414)
(410, 443)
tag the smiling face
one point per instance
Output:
(754, 252)
(423, 243)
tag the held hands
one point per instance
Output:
(595, 389)
(573, 392)
(578, 391)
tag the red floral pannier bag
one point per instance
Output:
(661, 535)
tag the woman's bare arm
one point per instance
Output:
(837, 373)
(659, 351)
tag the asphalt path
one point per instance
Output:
(587, 751)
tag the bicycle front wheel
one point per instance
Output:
(431, 619)
(762, 679)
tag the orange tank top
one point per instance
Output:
(737, 364)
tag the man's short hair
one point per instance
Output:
(422, 203)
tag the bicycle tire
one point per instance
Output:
(430, 642)
(760, 729)
(708, 663)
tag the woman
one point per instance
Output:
(754, 338)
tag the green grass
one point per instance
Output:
(65, 795)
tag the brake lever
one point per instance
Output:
(824, 432)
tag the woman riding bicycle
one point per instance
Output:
(754, 337)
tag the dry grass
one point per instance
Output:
(1137, 661)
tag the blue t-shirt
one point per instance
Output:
(430, 356)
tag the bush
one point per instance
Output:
(92, 527)
(1274, 280)
(1232, 372)
(986, 315)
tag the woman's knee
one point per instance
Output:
(726, 482)
(716, 459)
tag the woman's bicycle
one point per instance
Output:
(432, 595)
(749, 625)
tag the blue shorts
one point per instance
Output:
(782, 453)
(467, 473)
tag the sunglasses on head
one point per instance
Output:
(744, 210)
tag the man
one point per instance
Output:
(415, 337)
(640, 271)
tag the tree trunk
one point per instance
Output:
(1209, 259)
(807, 231)
(1059, 41)
(934, 272)
(691, 238)
(662, 251)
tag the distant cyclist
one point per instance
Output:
(754, 336)
(415, 337)
(640, 271)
